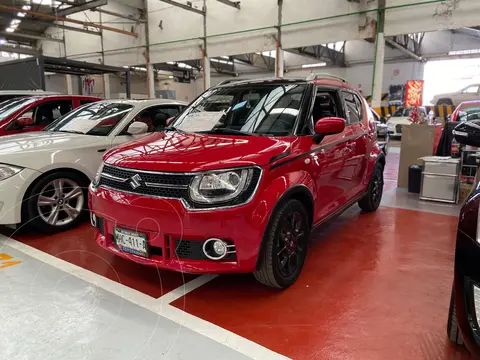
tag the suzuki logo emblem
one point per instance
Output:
(135, 181)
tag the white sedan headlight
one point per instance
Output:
(219, 186)
(98, 175)
(7, 171)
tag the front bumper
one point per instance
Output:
(174, 234)
(12, 193)
(467, 275)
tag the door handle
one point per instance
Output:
(101, 150)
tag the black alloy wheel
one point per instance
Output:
(372, 199)
(285, 248)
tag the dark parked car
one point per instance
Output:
(464, 314)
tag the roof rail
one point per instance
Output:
(229, 81)
(314, 76)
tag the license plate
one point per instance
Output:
(131, 242)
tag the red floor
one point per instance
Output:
(379, 293)
(375, 286)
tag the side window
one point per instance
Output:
(354, 113)
(325, 105)
(44, 114)
(471, 89)
(162, 113)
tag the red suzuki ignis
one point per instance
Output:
(237, 181)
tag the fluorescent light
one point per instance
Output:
(21, 14)
(170, 77)
(225, 57)
(15, 21)
(170, 63)
(26, 7)
(14, 26)
(306, 66)
(9, 29)
(464, 52)
(37, 1)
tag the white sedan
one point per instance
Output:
(44, 175)
(400, 118)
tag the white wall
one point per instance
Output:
(228, 28)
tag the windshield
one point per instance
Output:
(247, 110)
(98, 118)
(468, 113)
(11, 106)
(404, 112)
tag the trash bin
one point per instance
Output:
(415, 178)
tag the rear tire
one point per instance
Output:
(371, 201)
(453, 330)
(285, 248)
(57, 202)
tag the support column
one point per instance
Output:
(106, 85)
(280, 58)
(206, 60)
(280, 63)
(206, 73)
(68, 84)
(378, 70)
(151, 81)
(379, 60)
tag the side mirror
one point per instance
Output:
(383, 120)
(24, 122)
(468, 133)
(328, 126)
(137, 128)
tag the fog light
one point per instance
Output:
(219, 247)
(215, 249)
(93, 219)
(476, 299)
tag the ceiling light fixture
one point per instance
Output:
(306, 66)
(10, 30)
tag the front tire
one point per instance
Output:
(371, 201)
(453, 330)
(57, 202)
(286, 246)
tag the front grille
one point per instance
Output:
(398, 128)
(165, 185)
(162, 185)
(193, 250)
(185, 249)
(100, 225)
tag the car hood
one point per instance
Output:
(187, 152)
(403, 120)
(438, 96)
(33, 149)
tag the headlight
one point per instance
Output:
(7, 171)
(98, 175)
(221, 186)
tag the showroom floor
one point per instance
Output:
(375, 286)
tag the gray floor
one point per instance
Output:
(46, 313)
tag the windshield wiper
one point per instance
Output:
(71, 132)
(172, 128)
(225, 131)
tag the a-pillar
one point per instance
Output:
(206, 73)
(378, 70)
(106, 85)
(151, 81)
